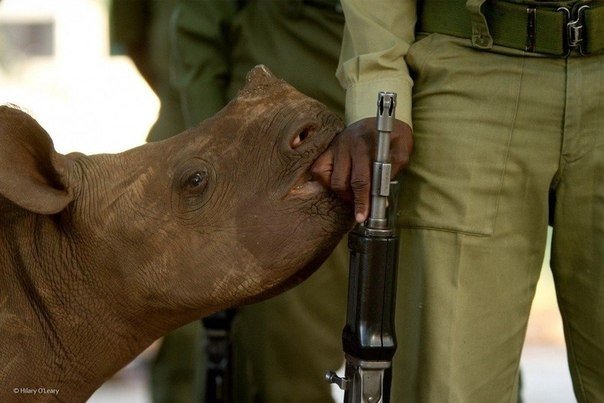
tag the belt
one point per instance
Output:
(576, 28)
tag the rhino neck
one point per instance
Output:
(61, 328)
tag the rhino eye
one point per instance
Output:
(196, 181)
(191, 187)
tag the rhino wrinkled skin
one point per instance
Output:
(100, 255)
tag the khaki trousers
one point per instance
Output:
(498, 136)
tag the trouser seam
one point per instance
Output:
(565, 163)
(561, 159)
(454, 314)
(509, 143)
(513, 396)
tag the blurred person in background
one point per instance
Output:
(140, 30)
(282, 346)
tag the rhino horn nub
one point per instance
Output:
(259, 76)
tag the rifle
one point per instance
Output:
(368, 337)
(218, 354)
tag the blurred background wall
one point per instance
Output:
(55, 63)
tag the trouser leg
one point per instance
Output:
(175, 370)
(281, 347)
(474, 212)
(578, 242)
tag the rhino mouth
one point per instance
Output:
(306, 185)
(309, 141)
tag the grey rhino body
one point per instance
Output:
(100, 255)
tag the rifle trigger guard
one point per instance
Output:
(332, 377)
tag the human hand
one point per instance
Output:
(346, 165)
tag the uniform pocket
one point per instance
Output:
(464, 108)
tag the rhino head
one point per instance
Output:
(102, 254)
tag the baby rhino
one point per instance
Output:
(100, 255)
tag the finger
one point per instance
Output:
(360, 182)
(341, 172)
(322, 169)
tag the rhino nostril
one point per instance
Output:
(299, 139)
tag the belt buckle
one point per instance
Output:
(575, 28)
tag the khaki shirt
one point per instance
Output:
(376, 39)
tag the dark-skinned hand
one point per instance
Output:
(345, 167)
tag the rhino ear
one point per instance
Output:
(32, 173)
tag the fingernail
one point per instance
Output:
(360, 217)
